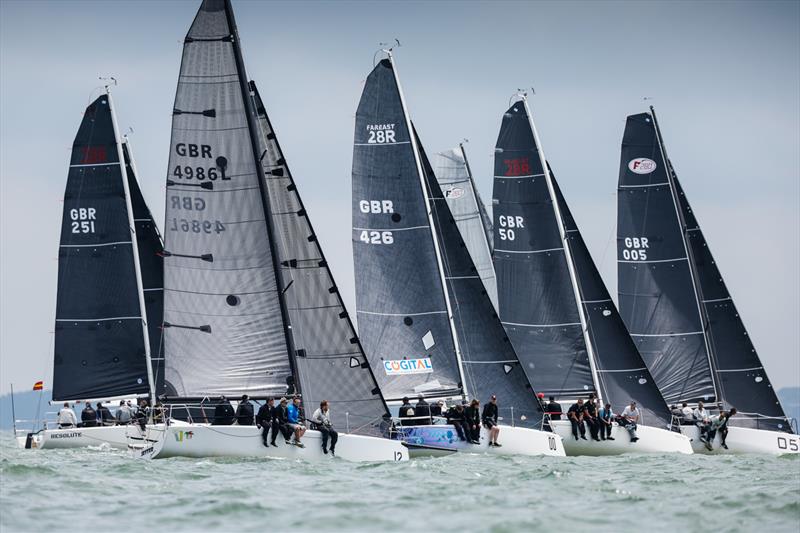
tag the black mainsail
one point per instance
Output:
(538, 303)
(489, 363)
(457, 184)
(225, 323)
(672, 295)
(403, 312)
(330, 362)
(101, 345)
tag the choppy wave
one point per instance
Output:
(45, 490)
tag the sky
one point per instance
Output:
(724, 77)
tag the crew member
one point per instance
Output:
(606, 420)
(294, 422)
(575, 416)
(489, 419)
(630, 417)
(322, 423)
(244, 411)
(472, 416)
(66, 417)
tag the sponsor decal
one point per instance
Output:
(454, 193)
(641, 165)
(146, 451)
(66, 435)
(396, 367)
(180, 436)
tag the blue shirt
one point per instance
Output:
(294, 413)
(606, 416)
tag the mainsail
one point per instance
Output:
(490, 365)
(537, 299)
(100, 346)
(672, 295)
(225, 325)
(330, 362)
(403, 315)
(622, 375)
(458, 186)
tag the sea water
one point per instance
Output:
(105, 490)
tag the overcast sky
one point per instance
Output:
(724, 77)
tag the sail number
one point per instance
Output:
(507, 225)
(83, 219)
(788, 443)
(199, 173)
(635, 248)
(197, 226)
(377, 237)
(517, 167)
(380, 133)
(552, 444)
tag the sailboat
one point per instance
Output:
(474, 224)
(250, 304)
(678, 308)
(109, 283)
(554, 304)
(426, 321)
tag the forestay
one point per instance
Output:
(224, 327)
(621, 373)
(99, 342)
(537, 301)
(455, 180)
(402, 313)
(330, 362)
(489, 361)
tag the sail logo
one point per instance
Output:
(397, 367)
(453, 193)
(180, 436)
(641, 165)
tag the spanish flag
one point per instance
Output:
(38, 385)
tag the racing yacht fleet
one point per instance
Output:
(453, 304)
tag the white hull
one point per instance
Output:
(442, 439)
(651, 440)
(113, 436)
(746, 440)
(199, 440)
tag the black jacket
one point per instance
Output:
(472, 416)
(554, 408)
(489, 413)
(89, 417)
(423, 409)
(223, 414)
(244, 413)
(264, 415)
(453, 415)
(280, 415)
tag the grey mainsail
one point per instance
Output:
(225, 329)
(537, 300)
(330, 362)
(455, 180)
(402, 311)
(489, 362)
(675, 299)
(100, 348)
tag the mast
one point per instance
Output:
(689, 254)
(412, 134)
(135, 246)
(252, 128)
(568, 254)
(475, 195)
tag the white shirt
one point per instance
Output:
(631, 413)
(701, 414)
(67, 416)
(687, 412)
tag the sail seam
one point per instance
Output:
(640, 186)
(740, 369)
(666, 334)
(528, 252)
(541, 325)
(519, 177)
(93, 245)
(623, 370)
(98, 319)
(94, 164)
(390, 229)
(401, 314)
(382, 144)
(655, 260)
(717, 300)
